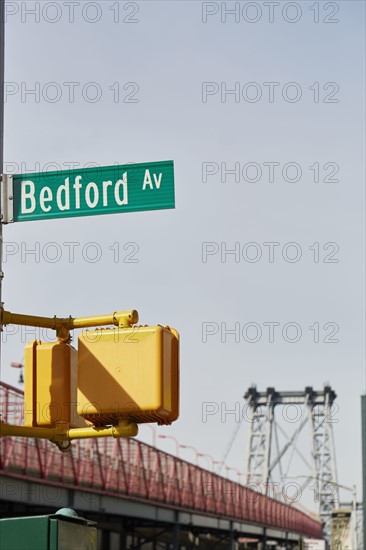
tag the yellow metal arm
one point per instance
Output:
(62, 434)
(63, 326)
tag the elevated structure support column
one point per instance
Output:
(176, 532)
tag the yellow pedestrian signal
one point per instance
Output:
(118, 378)
(50, 385)
(128, 373)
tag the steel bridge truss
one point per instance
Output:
(269, 462)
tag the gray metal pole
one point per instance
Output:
(231, 544)
(363, 424)
(176, 532)
(2, 76)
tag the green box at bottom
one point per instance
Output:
(54, 532)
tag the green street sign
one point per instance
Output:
(88, 191)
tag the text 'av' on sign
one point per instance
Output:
(89, 191)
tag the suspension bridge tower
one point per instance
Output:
(273, 451)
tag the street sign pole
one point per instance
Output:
(363, 429)
(2, 98)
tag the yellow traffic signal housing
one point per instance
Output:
(50, 385)
(128, 373)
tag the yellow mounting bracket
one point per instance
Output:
(62, 434)
(63, 326)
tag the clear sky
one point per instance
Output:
(273, 91)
